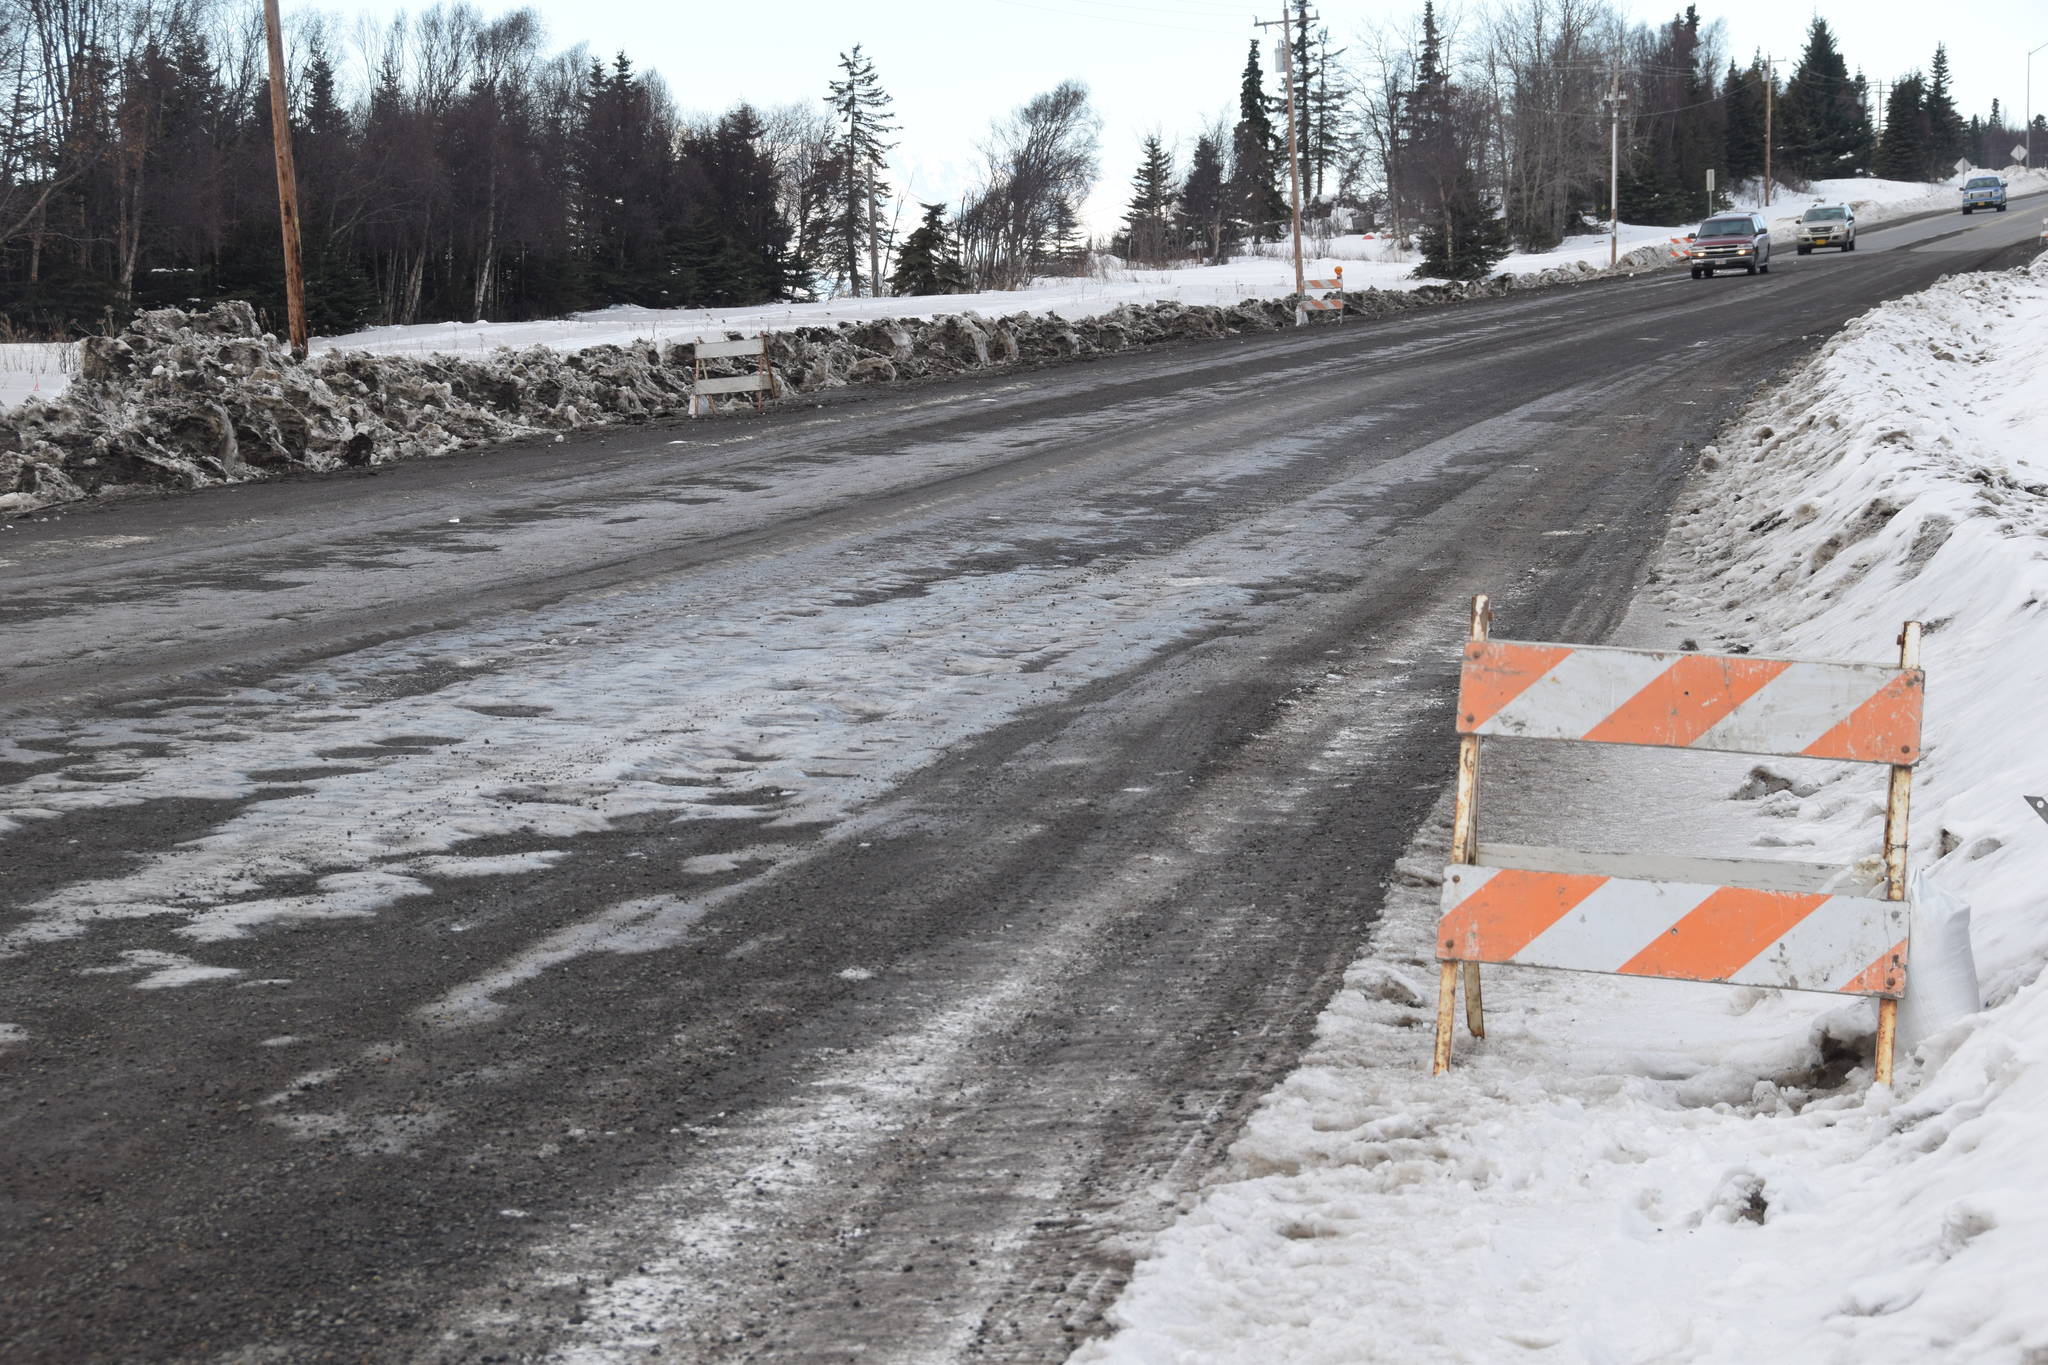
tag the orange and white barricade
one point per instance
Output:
(1744, 922)
(761, 383)
(1321, 296)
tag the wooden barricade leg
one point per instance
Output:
(1897, 796)
(1464, 849)
(1446, 1011)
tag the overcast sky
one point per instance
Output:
(1170, 65)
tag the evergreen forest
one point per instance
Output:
(455, 166)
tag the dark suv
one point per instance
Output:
(1728, 240)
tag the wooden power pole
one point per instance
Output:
(1613, 102)
(1770, 88)
(1285, 25)
(287, 183)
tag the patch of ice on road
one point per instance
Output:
(12, 1033)
(498, 865)
(164, 969)
(637, 926)
(365, 1135)
(856, 974)
(339, 895)
(282, 1040)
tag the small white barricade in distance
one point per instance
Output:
(1742, 922)
(1321, 296)
(703, 387)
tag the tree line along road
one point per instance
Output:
(811, 887)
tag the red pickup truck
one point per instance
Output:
(1729, 240)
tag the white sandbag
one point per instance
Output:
(1941, 971)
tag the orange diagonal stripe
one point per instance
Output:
(1686, 700)
(1886, 976)
(1495, 673)
(1500, 918)
(1885, 729)
(1721, 934)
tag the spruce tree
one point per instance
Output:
(736, 241)
(1678, 129)
(1147, 220)
(1302, 59)
(1743, 142)
(1204, 202)
(1993, 139)
(1827, 127)
(1944, 124)
(1905, 150)
(1462, 237)
(1069, 246)
(927, 262)
(1324, 150)
(1466, 238)
(1255, 156)
(862, 108)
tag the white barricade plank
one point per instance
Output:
(1867, 713)
(1763, 874)
(743, 383)
(1793, 940)
(720, 350)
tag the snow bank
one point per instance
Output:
(1631, 1171)
(180, 400)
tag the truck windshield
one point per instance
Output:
(1984, 182)
(1822, 216)
(1726, 227)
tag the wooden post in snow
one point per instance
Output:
(1897, 795)
(1464, 849)
(287, 184)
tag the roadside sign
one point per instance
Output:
(1962, 164)
(2019, 152)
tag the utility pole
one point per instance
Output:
(1293, 160)
(2030, 107)
(874, 239)
(287, 184)
(1770, 89)
(1613, 103)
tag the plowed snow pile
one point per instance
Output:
(1631, 1171)
(185, 400)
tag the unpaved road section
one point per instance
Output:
(823, 887)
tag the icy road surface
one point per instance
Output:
(816, 887)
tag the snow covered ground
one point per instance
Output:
(1264, 272)
(1629, 1171)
